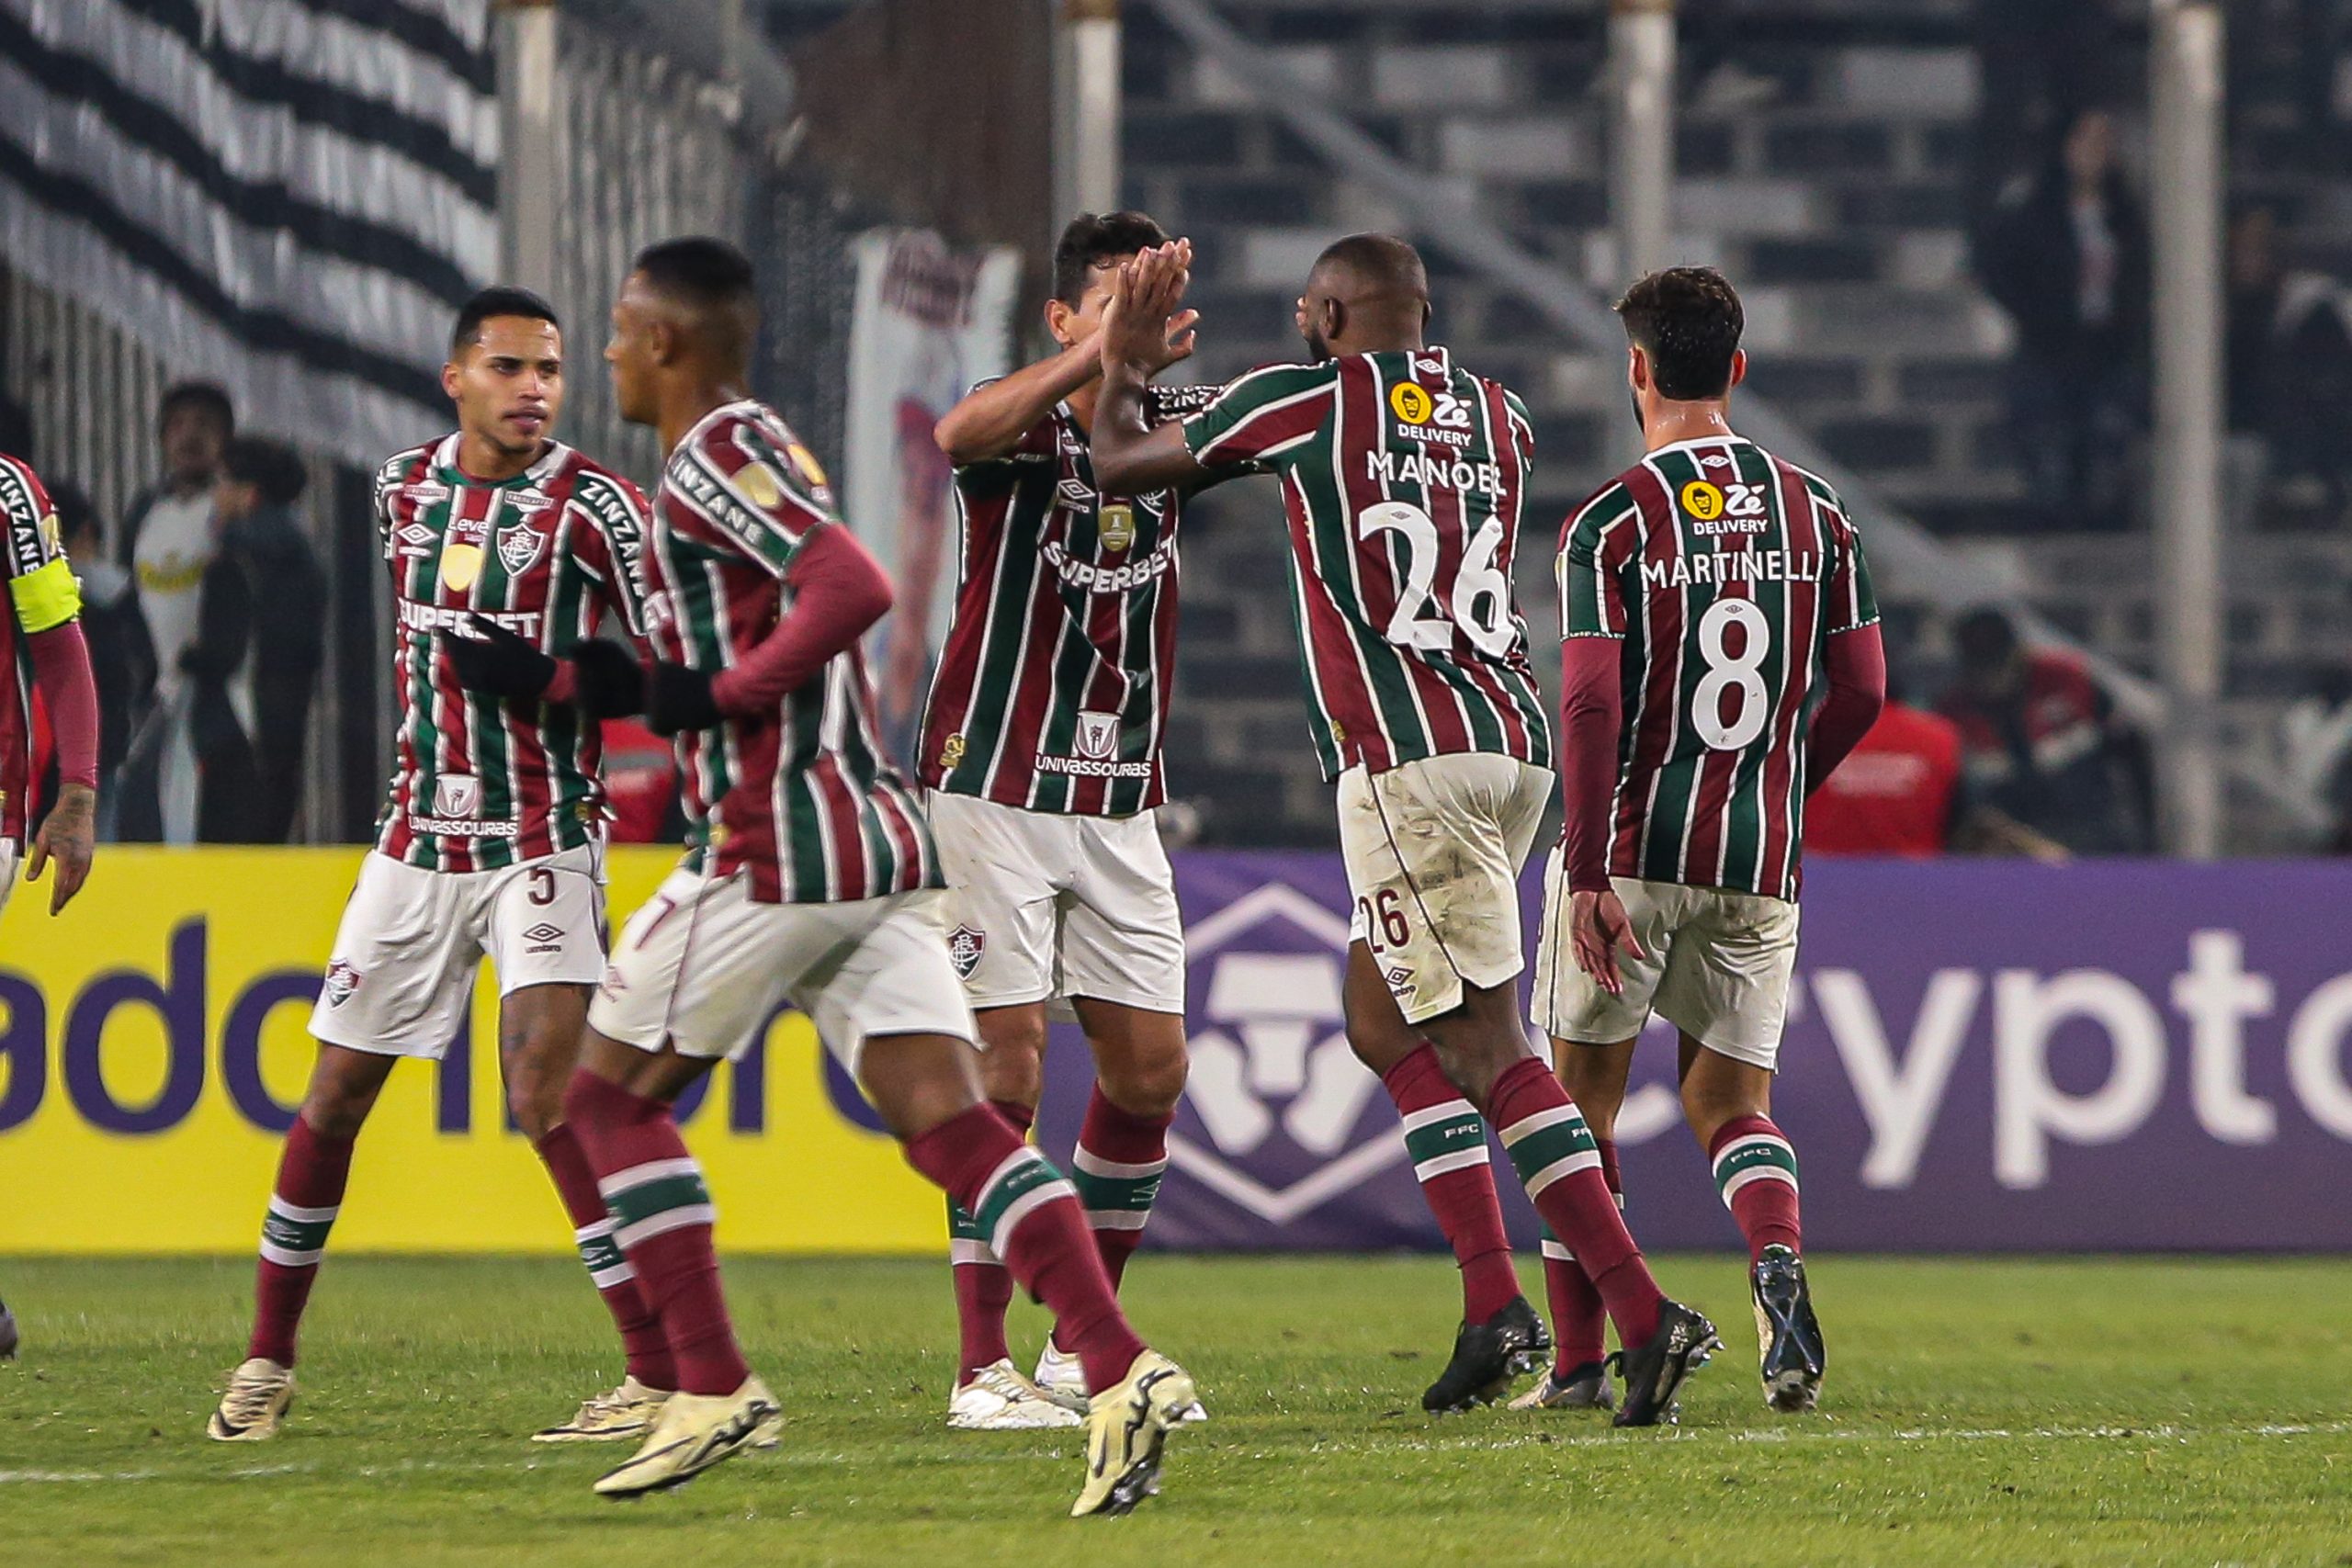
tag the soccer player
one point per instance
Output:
(810, 876)
(492, 840)
(1722, 654)
(42, 651)
(1402, 477)
(1041, 751)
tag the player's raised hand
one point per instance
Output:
(68, 834)
(1599, 929)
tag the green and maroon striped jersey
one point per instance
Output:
(1402, 476)
(1053, 683)
(478, 783)
(41, 594)
(1725, 571)
(803, 797)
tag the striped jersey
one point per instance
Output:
(1723, 571)
(803, 797)
(1403, 477)
(480, 783)
(42, 595)
(1052, 687)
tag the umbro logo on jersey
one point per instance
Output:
(518, 547)
(416, 533)
(341, 979)
(1714, 460)
(1075, 492)
(966, 948)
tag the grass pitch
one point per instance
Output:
(2092, 1412)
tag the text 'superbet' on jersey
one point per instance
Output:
(1725, 571)
(42, 595)
(1402, 476)
(478, 783)
(803, 798)
(1053, 683)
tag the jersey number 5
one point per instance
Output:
(1742, 674)
(1479, 602)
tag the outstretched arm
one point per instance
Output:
(993, 417)
(1142, 335)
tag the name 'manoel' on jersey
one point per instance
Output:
(1402, 478)
(1725, 571)
(478, 783)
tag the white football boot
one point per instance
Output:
(999, 1399)
(1061, 1378)
(260, 1393)
(628, 1411)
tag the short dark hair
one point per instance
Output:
(271, 467)
(1095, 239)
(209, 396)
(1383, 263)
(498, 299)
(75, 515)
(1687, 320)
(702, 270)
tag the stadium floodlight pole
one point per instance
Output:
(1086, 108)
(1641, 133)
(2186, 105)
(528, 109)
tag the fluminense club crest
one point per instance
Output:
(966, 948)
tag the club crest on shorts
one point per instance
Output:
(342, 980)
(1098, 735)
(519, 544)
(966, 948)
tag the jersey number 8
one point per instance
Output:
(1743, 675)
(1479, 602)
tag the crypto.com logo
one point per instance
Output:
(1271, 1063)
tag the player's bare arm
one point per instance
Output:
(1140, 338)
(992, 419)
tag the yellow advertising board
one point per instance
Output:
(153, 1049)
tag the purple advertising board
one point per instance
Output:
(1981, 1055)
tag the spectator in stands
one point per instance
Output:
(261, 640)
(2066, 254)
(167, 542)
(2315, 755)
(1902, 791)
(641, 784)
(2290, 351)
(2043, 745)
(2039, 64)
(121, 660)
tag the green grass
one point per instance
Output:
(2062, 1412)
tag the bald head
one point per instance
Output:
(1367, 293)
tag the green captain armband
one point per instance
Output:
(46, 597)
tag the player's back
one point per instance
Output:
(1403, 476)
(802, 796)
(1724, 571)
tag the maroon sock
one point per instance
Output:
(311, 1171)
(1120, 1158)
(1559, 1164)
(661, 1217)
(983, 1287)
(1756, 1170)
(648, 1350)
(1447, 1143)
(1579, 1322)
(1030, 1215)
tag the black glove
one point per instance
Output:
(678, 698)
(607, 680)
(496, 662)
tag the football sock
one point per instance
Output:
(1559, 1163)
(1116, 1169)
(1756, 1170)
(1579, 1323)
(1030, 1215)
(311, 1171)
(1446, 1140)
(661, 1219)
(983, 1288)
(609, 1268)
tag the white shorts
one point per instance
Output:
(1717, 968)
(1433, 850)
(1042, 907)
(703, 966)
(401, 978)
(9, 855)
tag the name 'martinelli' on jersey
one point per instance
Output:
(801, 798)
(1403, 477)
(476, 782)
(1053, 681)
(1725, 571)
